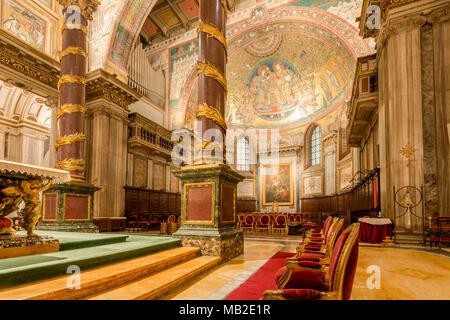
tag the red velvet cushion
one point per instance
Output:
(309, 264)
(311, 256)
(260, 225)
(301, 278)
(5, 223)
(279, 226)
(301, 294)
(316, 239)
(316, 230)
(311, 247)
(264, 220)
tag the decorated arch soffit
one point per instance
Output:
(286, 69)
(113, 31)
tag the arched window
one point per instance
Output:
(243, 155)
(315, 146)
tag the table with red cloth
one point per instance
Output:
(374, 230)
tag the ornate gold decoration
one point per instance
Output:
(225, 6)
(73, 26)
(71, 164)
(28, 191)
(211, 113)
(214, 32)
(87, 7)
(68, 78)
(211, 71)
(73, 50)
(121, 100)
(70, 108)
(27, 70)
(407, 151)
(69, 139)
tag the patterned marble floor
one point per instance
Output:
(403, 274)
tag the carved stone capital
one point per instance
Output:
(52, 102)
(329, 139)
(87, 7)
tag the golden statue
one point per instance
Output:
(28, 191)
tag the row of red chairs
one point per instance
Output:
(141, 222)
(324, 266)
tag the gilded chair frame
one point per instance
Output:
(293, 263)
(245, 220)
(309, 233)
(284, 230)
(268, 228)
(338, 280)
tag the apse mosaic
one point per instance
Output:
(23, 24)
(286, 79)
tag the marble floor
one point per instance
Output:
(404, 274)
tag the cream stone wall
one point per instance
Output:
(413, 106)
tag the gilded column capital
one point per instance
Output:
(87, 7)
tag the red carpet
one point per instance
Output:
(261, 280)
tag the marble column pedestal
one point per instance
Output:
(208, 210)
(68, 207)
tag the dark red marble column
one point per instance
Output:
(72, 92)
(212, 91)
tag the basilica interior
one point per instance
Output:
(224, 149)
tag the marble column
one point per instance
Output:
(209, 187)
(69, 207)
(410, 52)
(212, 83)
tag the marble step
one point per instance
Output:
(107, 277)
(161, 283)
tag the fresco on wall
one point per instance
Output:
(183, 59)
(285, 79)
(278, 184)
(23, 24)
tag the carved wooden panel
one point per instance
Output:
(139, 173)
(159, 177)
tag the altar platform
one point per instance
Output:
(85, 250)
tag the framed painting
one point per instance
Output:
(278, 184)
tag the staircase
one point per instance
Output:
(146, 277)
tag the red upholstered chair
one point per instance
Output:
(132, 222)
(322, 253)
(263, 223)
(437, 230)
(318, 232)
(312, 281)
(280, 224)
(248, 222)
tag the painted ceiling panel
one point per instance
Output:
(190, 8)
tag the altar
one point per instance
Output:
(22, 183)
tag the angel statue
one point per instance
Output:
(29, 192)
